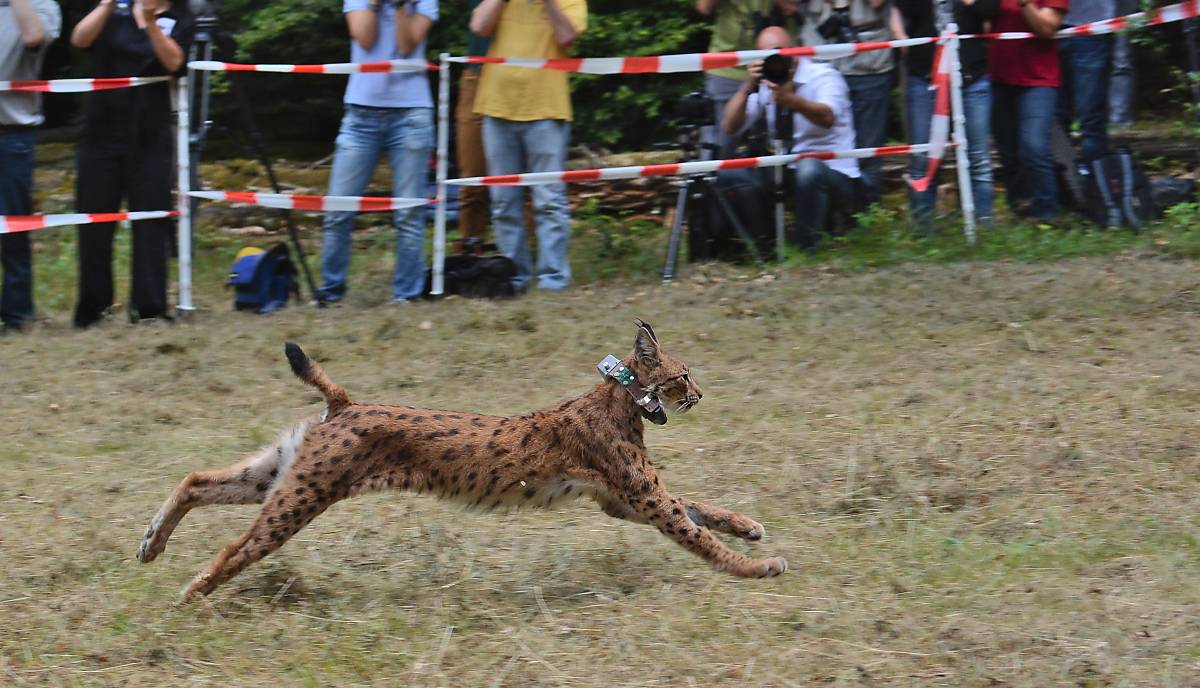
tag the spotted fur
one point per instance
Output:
(588, 446)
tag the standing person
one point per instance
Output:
(27, 27)
(526, 127)
(127, 149)
(918, 18)
(472, 200)
(1025, 78)
(735, 26)
(1086, 66)
(384, 112)
(868, 74)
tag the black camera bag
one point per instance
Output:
(710, 234)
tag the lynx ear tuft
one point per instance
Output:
(645, 347)
(643, 325)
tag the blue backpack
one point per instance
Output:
(263, 280)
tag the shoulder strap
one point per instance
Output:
(1100, 180)
(1127, 183)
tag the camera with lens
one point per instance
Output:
(838, 28)
(695, 109)
(776, 68)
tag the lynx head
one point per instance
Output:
(663, 374)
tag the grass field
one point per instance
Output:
(981, 473)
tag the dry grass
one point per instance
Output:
(982, 474)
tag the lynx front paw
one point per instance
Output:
(198, 585)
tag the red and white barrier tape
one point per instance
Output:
(10, 224)
(690, 62)
(80, 85)
(359, 204)
(939, 127)
(1162, 15)
(385, 67)
(678, 168)
(695, 62)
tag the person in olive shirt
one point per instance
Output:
(736, 24)
(473, 200)
(127, 149)
(916, 18)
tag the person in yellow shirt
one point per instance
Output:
(526, 127)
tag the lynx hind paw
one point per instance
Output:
(148, 550)
(773, 567)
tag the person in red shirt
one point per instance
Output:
(1025, 80)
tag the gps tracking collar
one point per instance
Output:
(652, 408)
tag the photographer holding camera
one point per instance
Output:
(817, 99)
(868, 74)
(127, 149)
(736, 25)
(385, 113)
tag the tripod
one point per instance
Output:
(702, 185)
(202, 48)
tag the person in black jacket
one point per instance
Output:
(916, 18)
(127, 149)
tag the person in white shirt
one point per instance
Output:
(27, 28)
(818, 100)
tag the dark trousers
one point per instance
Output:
(1086, 66)
(1022, 118)
(869, 98)
(16, 182)
(140, 172)
(823, 196)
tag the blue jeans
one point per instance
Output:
(16, 182)
(407, 136)
(1121, 83)
(869, 96)
(1022, 117)
(1086, 66)
(977, 109)
(537, 146)
(822, 195)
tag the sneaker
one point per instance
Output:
(401, 301)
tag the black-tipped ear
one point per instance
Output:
(642, 324)
(645, 347)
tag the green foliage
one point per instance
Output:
(883, 237)
(301, 31)
(633, 111)
(620, 112)
(607, 246)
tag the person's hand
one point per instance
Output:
(145, 12)
(753, 76)
(781, 92)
